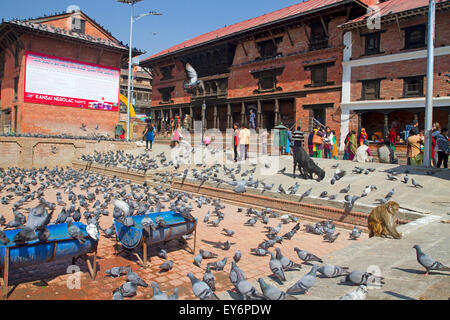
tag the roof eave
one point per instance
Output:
(239, 33)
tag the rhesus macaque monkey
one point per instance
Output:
(381, 222)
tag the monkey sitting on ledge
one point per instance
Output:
(381, 222)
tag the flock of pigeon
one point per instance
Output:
(97, 192)
(91, 136)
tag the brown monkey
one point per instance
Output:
(381, 222)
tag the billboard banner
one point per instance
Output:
(63, 82)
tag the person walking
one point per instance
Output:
(244, 142)
(347, 146)
(252, 119)
(435, 131)
(235, 140)
(149, 134)
(443, 148)
(392, 138)
(353, 146)
(328, 142)
(334, 152)
(310, 143)
(413, 150)
(297, 138)
(318, 143)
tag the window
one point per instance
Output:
(372, 43)
(268, 48)
(166, 72)
(16, 87)
(166, 94)
(370, 90)
(78, 25)
(413, 86)
(267, 82)
(415, 37)
(139, 97)
(319, 75)
(318, 38)
(318, 112)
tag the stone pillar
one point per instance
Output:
(386, 125)
(180, 112)
(229, 124)
(170, 114)
(242, 113)
(191, 114)
(216, 120)
(359, 124)
(258, 116)
(277, 112)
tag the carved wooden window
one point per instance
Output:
(166, 72)
(413, 87)
(268, 48)
(370, 89)
(166, 94)
(415, 36)
(319, 74)
(267, 79)
(318, 37)
(372, 43)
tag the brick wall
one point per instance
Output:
(40, 118)
(35, 152)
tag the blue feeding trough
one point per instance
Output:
(132, 237)
(60, 245)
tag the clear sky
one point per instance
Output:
(181, 19)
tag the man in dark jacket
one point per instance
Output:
(443, 148)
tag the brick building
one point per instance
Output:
(142, 90)
(285, 65)
(71, 37)
(384, 69)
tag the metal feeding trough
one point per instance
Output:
(59, 246)
(134, 237)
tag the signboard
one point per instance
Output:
(63, 82)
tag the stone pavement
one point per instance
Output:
(395, 260)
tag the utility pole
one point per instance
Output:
(430, 74)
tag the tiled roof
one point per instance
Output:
(67, 33)
(392, 7)
(281, 14)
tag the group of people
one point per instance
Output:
(322, 143)
(241, 139)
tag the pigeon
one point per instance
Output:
(286, 263)
(92, 231)
(228, 232)
(62, 217)
(75, 232)
(331, 237)
(276, 267)
(323, 194)
(174, 295)
(272, 293)
(25, 235)
(201, 289)
(428, 262)
(331, 271)
(193, 79)
(207, 254)
(43, 234)
(282, 171)
(405, 179)
(117, 295)
(357, 294)
(115, 271)
(246, 289)
(359, 277)
(355, 234)
(3, 238)
(128, 289)
(281, 189)
(345, 190)
(162, 254)
(260, 252)
(218, 265)
(236, 274)
(157, 293)
(237, 256)
(134, 277)
(206, 218)
(251, 222)
(166, 266)
(305, 283)
(208, 277)
(415, 184)
(306, 256)
(305, 194)
(198, 260)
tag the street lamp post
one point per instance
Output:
(132, 20)
(203, 119)
(429, 96)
